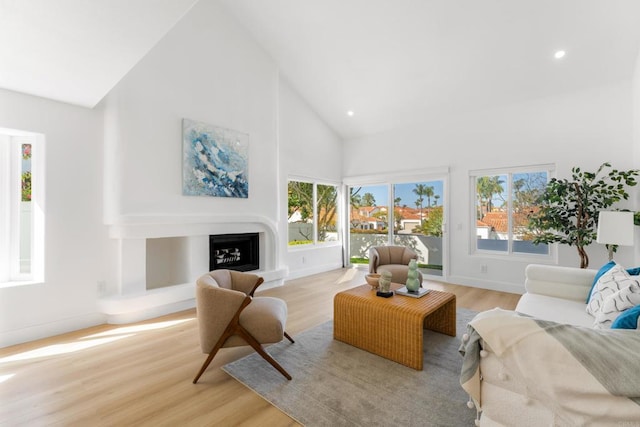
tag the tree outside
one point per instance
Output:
(488, 187)
(26, 173)
(368, 199)
(420, 191)
(327, 211)
(527, 190)
(432, 225)
(301, 213)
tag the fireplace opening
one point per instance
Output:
(234, 252)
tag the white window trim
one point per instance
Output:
(473, 247)
(10, 153)
(5, 208)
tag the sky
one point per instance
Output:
(408, 197)
(404, 191)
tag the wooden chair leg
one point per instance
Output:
(205, 365)
(225, 336)
(261, 351)
(273, 362)
(229, 330)
(289, 338)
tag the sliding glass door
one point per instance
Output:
(399, 212)
(418, 211)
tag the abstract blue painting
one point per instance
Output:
(214, 161)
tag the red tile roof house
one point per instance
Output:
(497, 221)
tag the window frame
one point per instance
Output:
(550, 169)
(315, 183)
(11, 142)
(389, 180)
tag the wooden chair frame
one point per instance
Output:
(235, 328)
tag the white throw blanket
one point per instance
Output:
(584, 376)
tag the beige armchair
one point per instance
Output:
(230, 316)
(394, 259)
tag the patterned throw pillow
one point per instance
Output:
(613, 305)
(608, 284)
(608, 266)
(635, 271)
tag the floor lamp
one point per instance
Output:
(615, 228)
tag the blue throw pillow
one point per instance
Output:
(628, 319)
(634, 271)
(608, 266)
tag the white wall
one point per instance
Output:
(123, 161)
(74, 234)
(577, 129)
(207, 69)
(308, 149)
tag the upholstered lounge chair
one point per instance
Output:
(394, 259)
(230, 316)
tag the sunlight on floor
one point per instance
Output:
(139, 328)
(3, 378)
(91, 341)
(349, 275)
(57, 349)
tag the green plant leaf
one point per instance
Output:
(568, 210)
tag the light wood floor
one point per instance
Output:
(138, 375)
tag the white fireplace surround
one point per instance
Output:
(135, 298)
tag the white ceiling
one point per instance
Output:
(76, 51)
(393, 62)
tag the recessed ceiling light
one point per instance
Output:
(350, 113)
(559, 54)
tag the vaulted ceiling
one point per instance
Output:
(392, 63)
(76, 51)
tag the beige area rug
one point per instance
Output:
(335, 384)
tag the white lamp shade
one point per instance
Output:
(615, 228)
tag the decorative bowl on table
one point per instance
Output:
(372, 279)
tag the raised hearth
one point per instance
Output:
(160, 259)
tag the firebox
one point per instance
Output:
(234, 252)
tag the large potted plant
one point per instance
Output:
(568, 209)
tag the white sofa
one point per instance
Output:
(553, 293)
(558, 294)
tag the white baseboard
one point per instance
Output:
(303, 272)
(491, 285)
(146, 313)
(50, 329)
(269, 285)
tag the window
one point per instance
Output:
(312, 212)
(21, 220)
(399, 210)
(504, 200)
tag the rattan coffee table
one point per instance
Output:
(392, 327)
